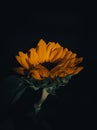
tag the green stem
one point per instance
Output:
(38, 105)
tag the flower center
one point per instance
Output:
(49, 65)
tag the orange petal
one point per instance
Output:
(19, 70)
(18, 58)
(49, 47)
(57, 45)
(52, 75)
(68, 55)
(65, 50)
(22, 59)
(40, 72)
(54, 51)
(55, 69)
(56, 54)
(44, 73)
(72, 63)
(33, 57)
(41, 51)
(78, 70)
(58, 73)
(35, 74)
(61, 74)
(69, 71)
(64, 63)
(73, 55)
(78, 60)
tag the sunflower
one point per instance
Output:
(49, 60)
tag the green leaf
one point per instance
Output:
(18, 95)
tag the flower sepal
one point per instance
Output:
(50, 84)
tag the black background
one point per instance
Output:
(74, 28)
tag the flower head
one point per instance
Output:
(48, 61)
